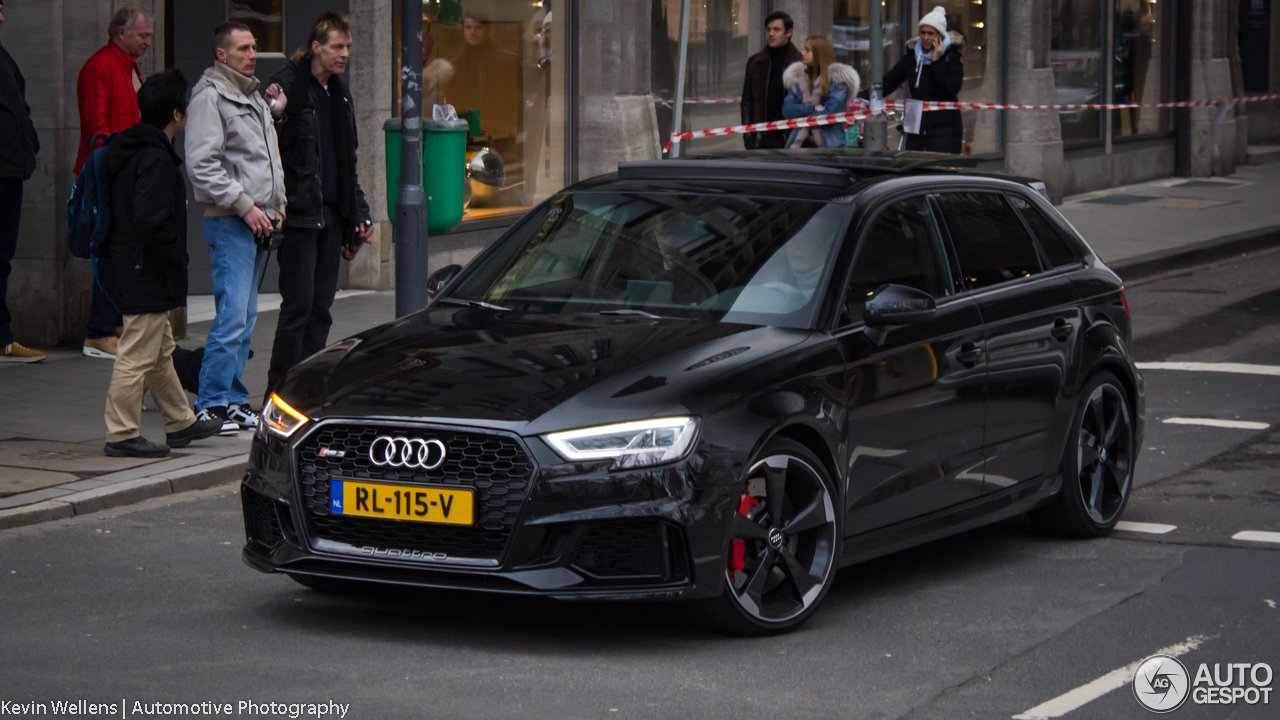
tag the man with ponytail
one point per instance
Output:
(327, 208)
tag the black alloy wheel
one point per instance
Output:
(1097, 464)
(782, 544)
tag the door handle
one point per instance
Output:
(969, 355)
(1062, 329)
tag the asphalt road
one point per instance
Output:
(152, 604)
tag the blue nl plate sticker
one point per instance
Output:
(335, 497)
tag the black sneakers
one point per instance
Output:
(198, 430)
(138, 447)
(243, 415)
(219, 413)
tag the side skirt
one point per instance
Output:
(985, 510)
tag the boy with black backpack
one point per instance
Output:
(145, 258)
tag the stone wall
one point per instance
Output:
(372, 76)
(49, 290)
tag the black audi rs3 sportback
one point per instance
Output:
(715, 380)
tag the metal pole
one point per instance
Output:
(411, 205)
(877, 131)
(684, 54)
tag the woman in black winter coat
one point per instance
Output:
(933, 70)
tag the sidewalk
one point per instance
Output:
(51, 426)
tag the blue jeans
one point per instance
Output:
(103, 315)
(237, 263)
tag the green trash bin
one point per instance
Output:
(444, 162)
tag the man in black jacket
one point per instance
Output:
(146, 266)
(762, 89)
(18, 147)
(317, 131)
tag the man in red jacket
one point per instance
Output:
(107, 93)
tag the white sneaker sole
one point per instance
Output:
(90, 352)
(11, 359)
(229, 429)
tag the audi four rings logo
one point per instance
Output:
(407, 452)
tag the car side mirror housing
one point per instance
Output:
(440, 278)
(898, 305)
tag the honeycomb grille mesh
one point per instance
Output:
(621, 548)
(261, 524)
(494, 465)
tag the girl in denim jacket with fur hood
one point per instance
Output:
(818, 85)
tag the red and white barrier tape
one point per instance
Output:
(834, 118)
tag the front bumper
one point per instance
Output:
(573, 531)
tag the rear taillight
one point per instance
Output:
(1125, 302)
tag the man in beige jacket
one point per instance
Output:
(234, 165)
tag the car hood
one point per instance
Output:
(529, 373)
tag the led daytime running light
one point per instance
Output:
(684, 427)
(273, 417)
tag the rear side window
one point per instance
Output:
(1055, 246)
(902, 247)
(992, 242)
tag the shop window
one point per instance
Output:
(722, 35)
(265, 18)
(1141, 68)
(494, 63)
(851, 37)
(1075, 52)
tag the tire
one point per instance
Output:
(320, 583)
(789, 565)
(1096, 483)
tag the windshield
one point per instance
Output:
(728, 258)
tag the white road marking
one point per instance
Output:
(1257, 536)
(1243, 368)
(1152, 528)
(1213, 422)
(1117, 678)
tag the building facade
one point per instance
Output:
(562, 90)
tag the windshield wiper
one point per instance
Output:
(472, 303)
(632, 311)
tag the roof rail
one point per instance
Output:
(738, 170)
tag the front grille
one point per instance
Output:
(495, 465)
(623, 548)
(261, 523)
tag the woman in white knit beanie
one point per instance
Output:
(932, 70)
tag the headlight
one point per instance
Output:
(281, 419)
(630, 444)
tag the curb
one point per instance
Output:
(1207, 251)
(196, 477)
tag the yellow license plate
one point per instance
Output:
(402, 502)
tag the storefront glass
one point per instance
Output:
(1141, 67)
(722, 35)
(265, 18)
(1075, 53)
(496, 64)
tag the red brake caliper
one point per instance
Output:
(738, 546)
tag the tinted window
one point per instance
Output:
(1055, 246)
(731, 258)
(992, 242)
(902, 247)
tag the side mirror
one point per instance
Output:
(898, 305)
(440, 278)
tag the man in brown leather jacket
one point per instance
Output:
(763, 91)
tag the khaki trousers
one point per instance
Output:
(144, 358)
